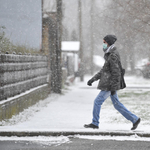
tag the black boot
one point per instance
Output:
(136, 124)
(91, 126)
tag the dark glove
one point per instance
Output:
(90, 82)
(113, 92)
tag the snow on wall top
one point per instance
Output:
(49, 5)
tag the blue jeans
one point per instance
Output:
(102, 96)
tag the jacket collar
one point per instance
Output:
(109, 48)
(110, 51)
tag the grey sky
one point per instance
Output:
(22, 19)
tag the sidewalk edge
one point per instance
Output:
(68, 133)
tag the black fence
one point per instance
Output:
(19, 73)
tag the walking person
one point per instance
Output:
(110, 82)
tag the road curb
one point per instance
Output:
(69, 133)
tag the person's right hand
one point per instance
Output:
(90, 82)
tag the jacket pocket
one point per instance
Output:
(105, 80)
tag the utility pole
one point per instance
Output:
(58, 46)
(42, 26)
(81, 68)
(92, 37)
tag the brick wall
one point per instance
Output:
(19, 73)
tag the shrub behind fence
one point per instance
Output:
(19, 73)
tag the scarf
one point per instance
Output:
(108, 49)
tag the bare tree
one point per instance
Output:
(130, 21)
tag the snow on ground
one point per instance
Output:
(57, 140)
(117, 138)
(98, 60)
(44, 140)
(71, 110)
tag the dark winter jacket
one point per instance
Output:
(110, 74)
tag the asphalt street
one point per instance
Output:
(76, 144)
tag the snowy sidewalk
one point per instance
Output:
(70, 111)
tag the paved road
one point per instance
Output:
(77, 144)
